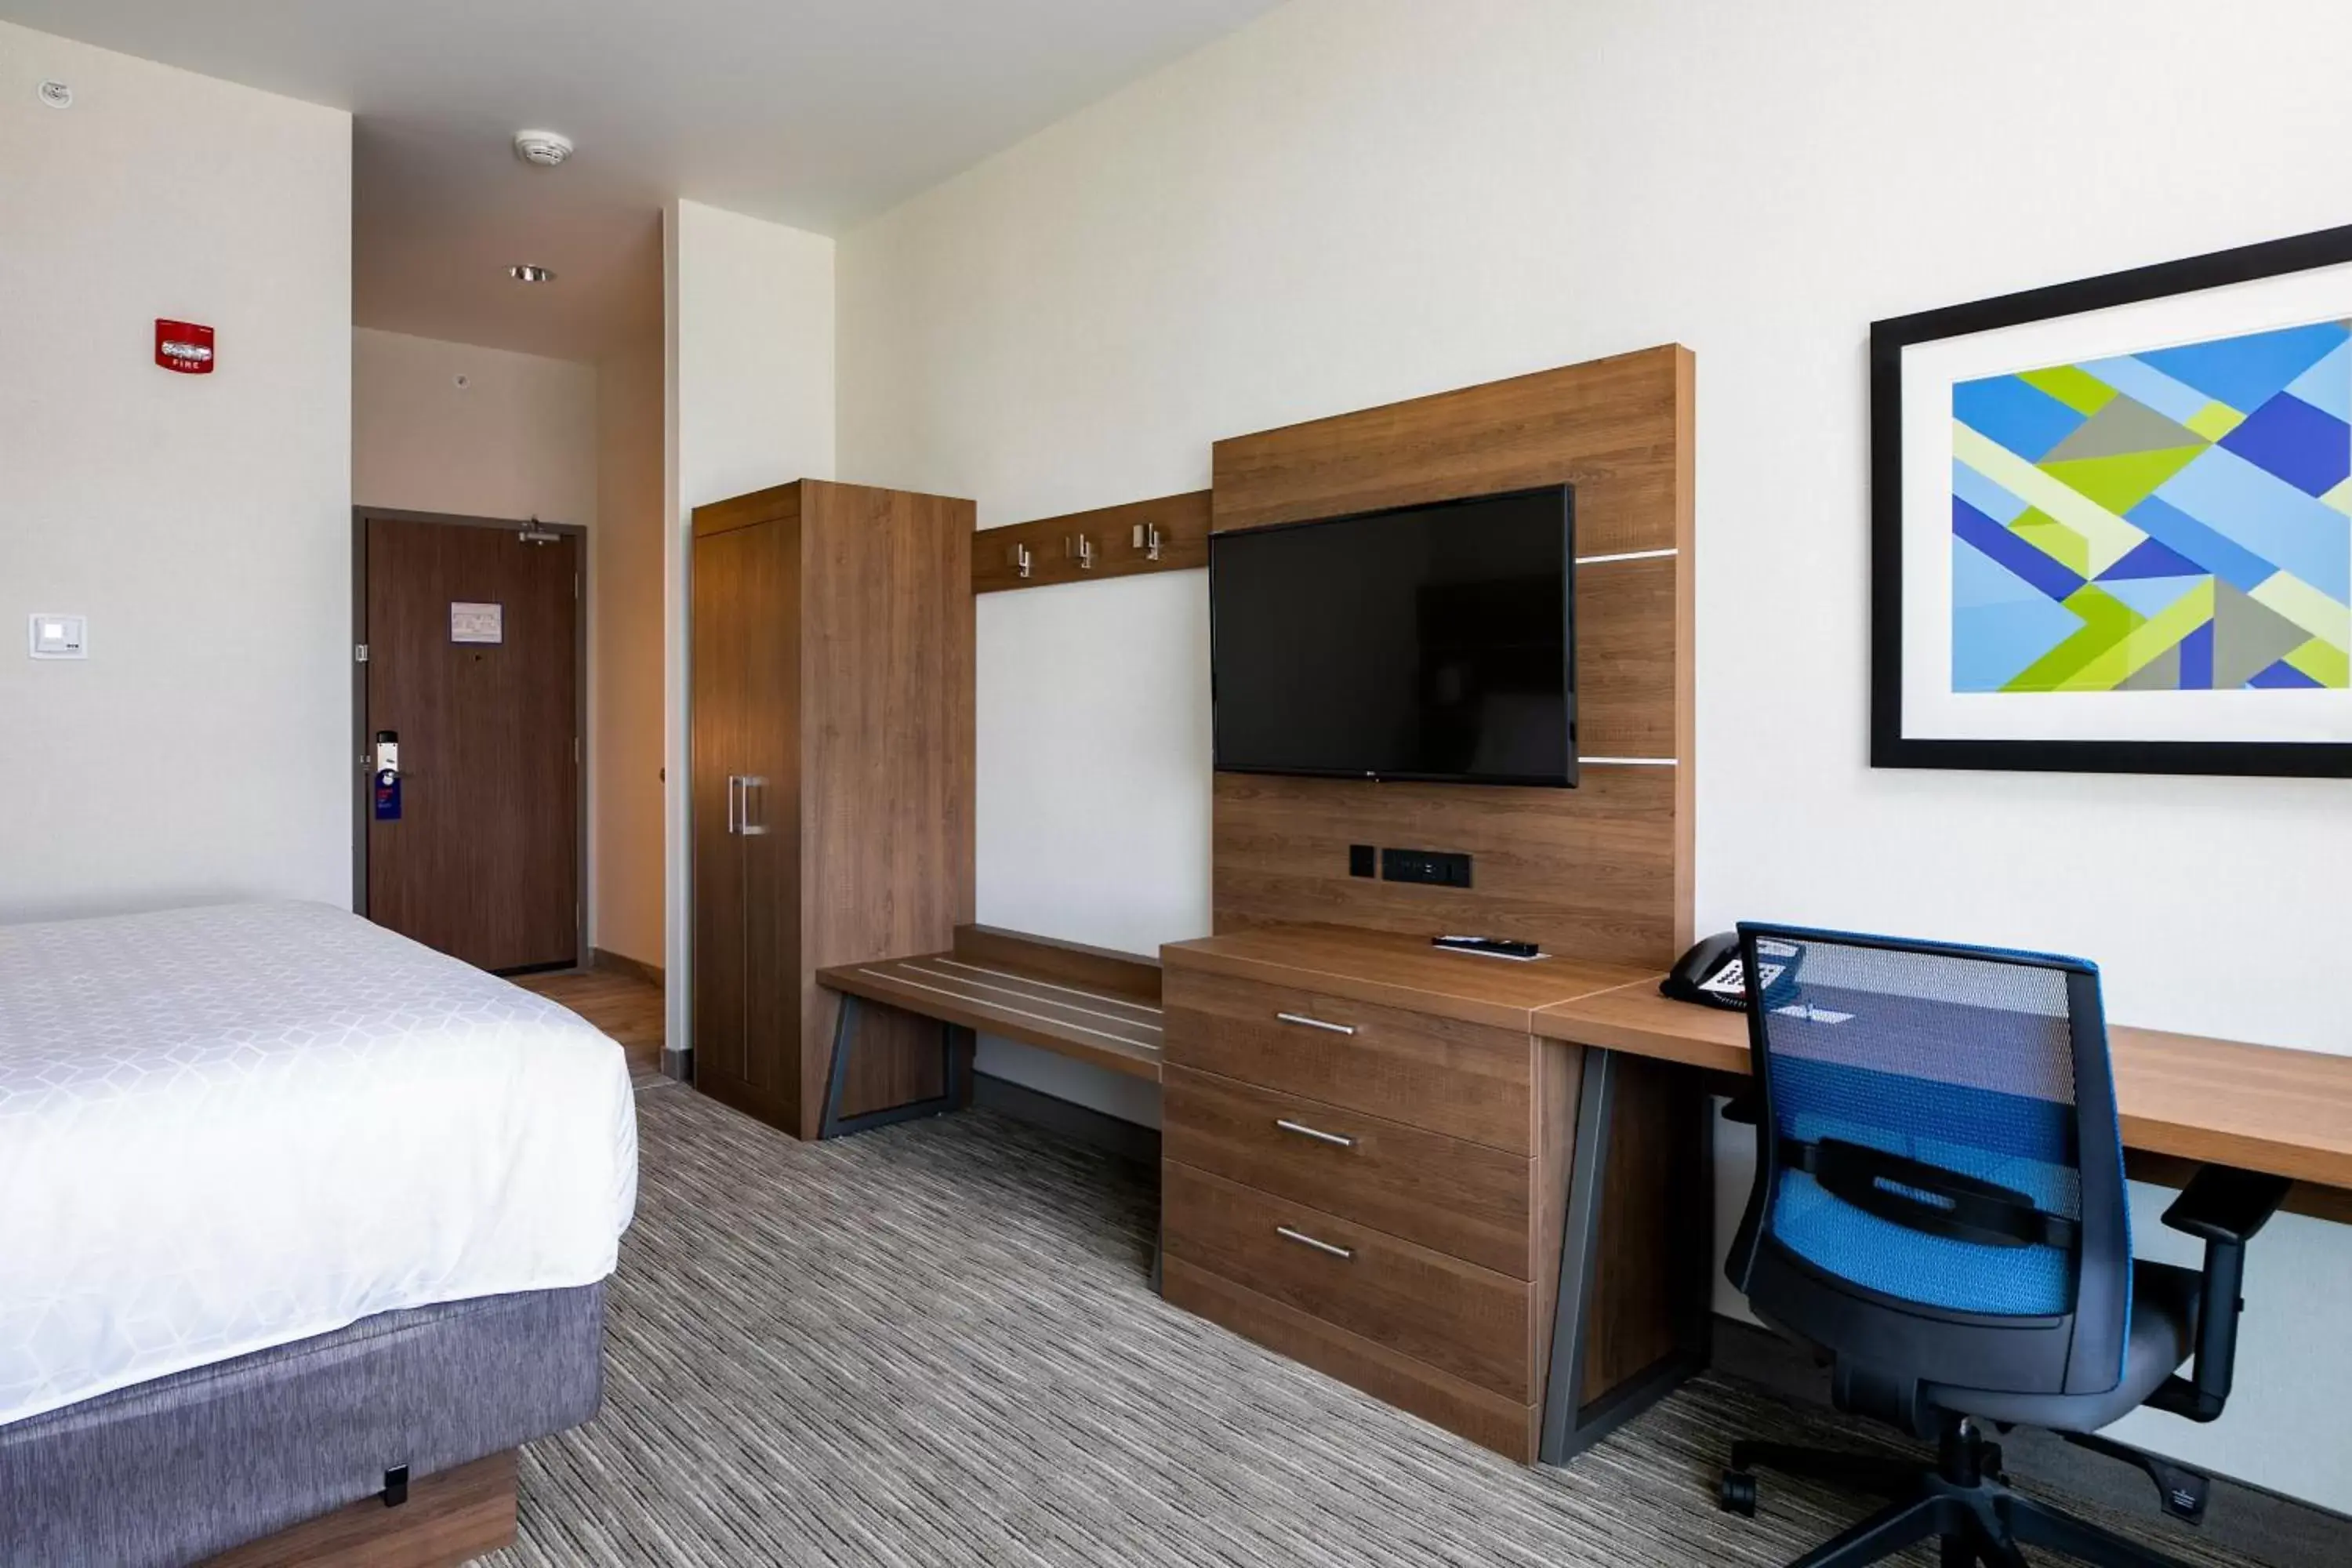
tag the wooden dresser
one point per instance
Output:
(1370, 1163)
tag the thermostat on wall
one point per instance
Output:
(59, 636)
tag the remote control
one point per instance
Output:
(1501, 946)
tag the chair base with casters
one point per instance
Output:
(1965, 1502)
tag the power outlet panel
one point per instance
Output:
(1429, 866)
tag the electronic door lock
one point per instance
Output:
(385, 788)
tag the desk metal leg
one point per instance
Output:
(845, 1040)
(1570, 1422)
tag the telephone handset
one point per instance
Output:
(1713, 974)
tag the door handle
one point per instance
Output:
(732, 782)
(749, 829)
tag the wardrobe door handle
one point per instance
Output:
(752, 829)
(1304, 1239)
(1315, 1132)
(1304, 1022)
(733, 780)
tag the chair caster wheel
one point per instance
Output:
(1736, 1493)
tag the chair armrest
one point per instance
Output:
(2225, 1209)
(2226, 1205)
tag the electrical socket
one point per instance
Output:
(1429, 866)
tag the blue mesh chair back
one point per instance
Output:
(1939, 1184)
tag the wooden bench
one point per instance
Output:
(1087, 1003)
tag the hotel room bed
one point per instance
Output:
(292, 1200)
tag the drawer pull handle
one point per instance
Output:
(1315, 1132)
(1302, 1020)
(1304, 1239)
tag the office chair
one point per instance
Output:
(1939, 1206)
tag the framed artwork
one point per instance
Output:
(2112, 522)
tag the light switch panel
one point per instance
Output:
(59, 636)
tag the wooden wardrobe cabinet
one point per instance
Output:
(832, 786)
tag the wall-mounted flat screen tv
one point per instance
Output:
(1427, 642)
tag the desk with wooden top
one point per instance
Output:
(2183, 1100)
(1441, 1176)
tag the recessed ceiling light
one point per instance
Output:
(524, 272)
(544, 148)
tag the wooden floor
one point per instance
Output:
(623, 1005)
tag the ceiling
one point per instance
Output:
(811, 112)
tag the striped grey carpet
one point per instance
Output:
(936, 1343)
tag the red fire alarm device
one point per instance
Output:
(184, 346)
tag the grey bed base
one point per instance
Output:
(173, 1471)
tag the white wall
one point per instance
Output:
(517, 440)
(1354, 201)
(1117, 685)
(559, 440)
(201, 522)
(750, 328)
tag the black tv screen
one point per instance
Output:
(1430, 642)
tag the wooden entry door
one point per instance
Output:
(472, 639)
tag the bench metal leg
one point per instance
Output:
(845, 1040)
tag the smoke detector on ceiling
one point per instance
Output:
(544, 148)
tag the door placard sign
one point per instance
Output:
(477, 623)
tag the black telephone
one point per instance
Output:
(1712, 975)
(1709, 973)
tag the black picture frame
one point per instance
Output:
(1889, 746)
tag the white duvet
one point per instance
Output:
(227, 1129)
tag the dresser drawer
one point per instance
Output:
(1456, 1316)
(1463, 1198)
(1466, 1080)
